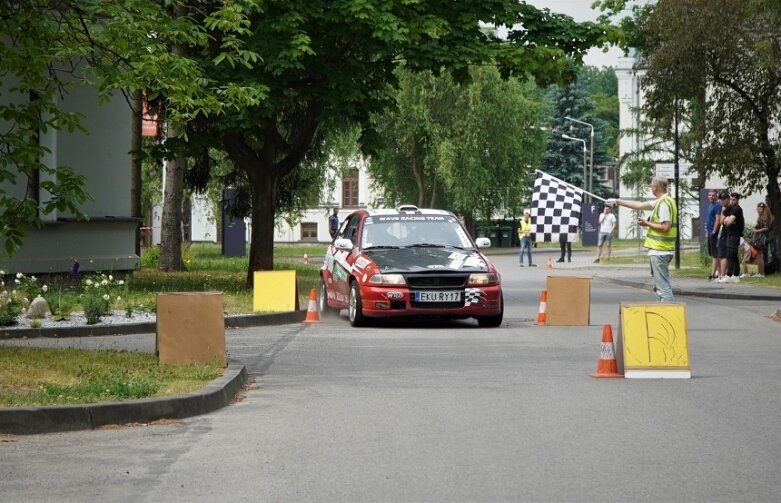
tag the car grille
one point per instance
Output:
(415, 281)
(437, 282)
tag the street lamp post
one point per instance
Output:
(568, 137)
(591, 165)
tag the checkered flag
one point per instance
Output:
(555, 209)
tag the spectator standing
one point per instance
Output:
(721, 240)
(747, 254)
(660, 236)
(607, 223)
(759, 241)
(734, 225)
(565, 246)
(333, 223)
(712, 225)
(524, 234)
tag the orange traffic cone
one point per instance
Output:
(606, 365)
(541, 314)
(549, 265)
(311, 309)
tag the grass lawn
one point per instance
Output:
(44, 376)
(39, 377)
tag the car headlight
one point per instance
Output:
(387, 279)
(482, 278)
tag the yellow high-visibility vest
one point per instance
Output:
(658, 240)
(524, 228)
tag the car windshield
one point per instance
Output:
(414, 230)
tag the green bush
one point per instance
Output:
(97, 294)
(10, 309)
(150, 257)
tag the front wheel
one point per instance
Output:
(494, 320)
(355, 308)
(322, 301)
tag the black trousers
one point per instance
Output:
(733, 264)
(566, 247)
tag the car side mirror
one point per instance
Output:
(483, 242)
(343, 244)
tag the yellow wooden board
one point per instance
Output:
(274, 291)
(655, 342)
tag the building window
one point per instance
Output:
(350, 189)
(308, 231)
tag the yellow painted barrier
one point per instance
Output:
(274, 291)
(655, 342)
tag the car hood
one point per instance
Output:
(418, 259)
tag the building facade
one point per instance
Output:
(107, 241)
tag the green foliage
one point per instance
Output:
(570, 160)
(467, 148)
(150, 257)
(601, 84)
(731, 86)
(97, 293)
(49, 48)
(10, 308)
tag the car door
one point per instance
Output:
(343, 258)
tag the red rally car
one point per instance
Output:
(409, 262)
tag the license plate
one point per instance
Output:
(443, 296)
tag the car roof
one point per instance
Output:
(406, 209)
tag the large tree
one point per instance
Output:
(467, 148)
(722, 60)
(49, 46)
(564, 158)
(328, 65)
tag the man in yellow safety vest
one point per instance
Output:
(661, 234)
(524, 234)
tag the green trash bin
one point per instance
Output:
(506, 237)
(495, 237)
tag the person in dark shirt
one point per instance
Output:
(333, 223)
(712, 231)
(734, 224)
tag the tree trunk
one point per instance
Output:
(171, 221)
(135, 164)
(261, 250)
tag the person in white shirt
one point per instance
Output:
(607, 223)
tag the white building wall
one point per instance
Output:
(203, 224)
(204, 227)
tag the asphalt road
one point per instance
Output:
(447, 412)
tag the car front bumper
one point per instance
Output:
(386, 301)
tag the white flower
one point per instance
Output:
(119, 298)
(17, 281)
(19, 275)
(121, 282)
(104, 282)
(110, 277)
(33, 278)
(105, 296)
(45, 288)
(88, 282)
(97, 286)
(2, 272)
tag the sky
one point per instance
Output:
(580, 10)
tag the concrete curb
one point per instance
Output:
(233, 321)
(217, 394)
(687, 292)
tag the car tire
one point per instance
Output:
(322, 301)
(495, 320)
(355, 307)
